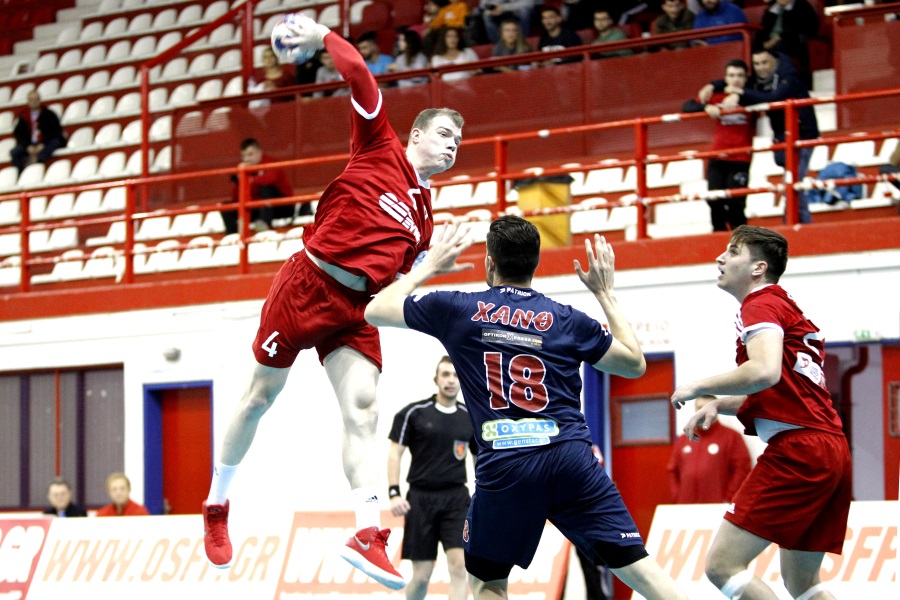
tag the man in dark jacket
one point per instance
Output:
(38, 134)
(787, 28)
(774, 79)
(59, 494)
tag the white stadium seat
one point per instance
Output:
(97, 82)
(72, 86)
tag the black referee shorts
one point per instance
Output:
(434, 516)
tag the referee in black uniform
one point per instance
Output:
(437, 432)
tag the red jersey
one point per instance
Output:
(131, 509)
(800, 396)
(733, 130)
(710, 470)
(264, 176)
(375, 217)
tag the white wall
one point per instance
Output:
(295, 460)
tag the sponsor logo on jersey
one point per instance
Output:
(627, 535)
(488, 312)
(459, 449)
(499, 336)
(507, 433)
(809, 368)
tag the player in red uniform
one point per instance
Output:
(371, 224)
(798, 495)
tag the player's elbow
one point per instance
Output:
(374, 315)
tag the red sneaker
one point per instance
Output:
(365, 551)
(215, 535)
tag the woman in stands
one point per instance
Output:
(272, 75)
(409, 56)
(451, 50)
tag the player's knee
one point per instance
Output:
(255, 403)
(732, 585)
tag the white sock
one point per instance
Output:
(367, 507)
(221, 480)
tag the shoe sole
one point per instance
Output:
(381, 576)
(215, 566)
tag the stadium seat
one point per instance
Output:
(7, 144)
(10, 271)
(85, 169)
(58, 171)
(7, 117)
(76, 111)
(115, 235)
(98, 81)
(168, 40)
(68, 267)
(32, 176)
(330, 16)
(235, 87)
(164, 257)
(91, 31)
(158, 99)
(202, 64)
(63, 237)
(222, 35)
(291, 243)
(102, 108)
(93, 56)
(103, 262)
(212, 222)
(209, 90)
(36, 207)
(21, 94)
(67, 36)
(451, 196)
(215, 10)
(165, 19)
(46, 63)
(107, 6)
(81, 139)
(72, 86)
(140, 23)
(70, 59)
(116, 27)
(123, 77)
(182, 95)
(192, 13)
(10, 243)
(161, 129)
(133, 165)
(88, 202)
(108, 135)
(175, 69)
(858, 154)
(263, 247)
(266, 6)
(227, 251)
(112, 166)
(61, 206)
(128, 104)
(153, 228)
(119, 51)
(9, 212)
(143, 47)
(131, 134)
(163, 160)
(198, 254)
(114, 200)
(187, 225)
(229, 61)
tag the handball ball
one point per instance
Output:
(288, 53)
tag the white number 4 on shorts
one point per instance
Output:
(270, 346)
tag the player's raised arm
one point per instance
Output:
(347, 59)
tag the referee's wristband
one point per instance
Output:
(393, 491)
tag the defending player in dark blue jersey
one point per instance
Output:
(518, 355)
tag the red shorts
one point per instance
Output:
(798, 495)
(306, 308)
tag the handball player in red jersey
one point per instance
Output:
(798, 495)
(371, 224)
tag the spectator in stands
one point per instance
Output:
(451, 50)
(733, 130)
(555, 36)
(59, 494)
(429, 12)
(676, 17)
(450, 14)
(367, 44)
(118, 486)
(787, 27)
(409, 56)
(775, 78)
(579, 14)
(38, 134)
(493, 12)
(893, 166)
(711, 470)
(265, 184)
(511, 42)
(716, 13)
(272, 75)
(327, 73)
(606, 33)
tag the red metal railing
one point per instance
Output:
(500, 143)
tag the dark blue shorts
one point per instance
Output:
(562, 483)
